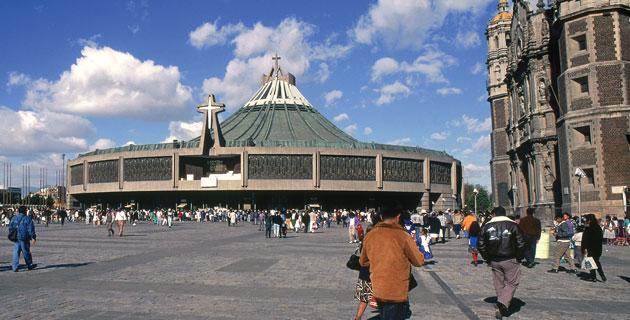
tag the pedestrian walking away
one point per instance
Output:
(592, 245)
(501, 245)
(22, 225)
(530, 226)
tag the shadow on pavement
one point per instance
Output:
(625, 278)
(65, 265)
(515, 306)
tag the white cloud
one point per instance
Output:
(18, 79)
(406, 23)
(323, 73)
(351, 129)
(209, 34)
(102, 144)
(482, 97)
(400, 142)
(253, 50)
(89, 42)
(447, 91)
(367, 131)
(477, 68)
(463, 139)
(467, 39)
(481, 145)
(106, 82)
(430, 64)
(383, 67)
(473, 168)
(341, 117)
(390, 92)
(129, 143)
(472, 125)
(331, 96)
(23, 133)
(439, 135)
(183, 131)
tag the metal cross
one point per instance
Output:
(276, 59)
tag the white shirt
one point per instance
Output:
(121, 216)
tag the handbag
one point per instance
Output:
(412, 281)
(588, 263)
(353, 262)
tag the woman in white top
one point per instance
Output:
(121, 218)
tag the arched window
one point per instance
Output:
(497, 73)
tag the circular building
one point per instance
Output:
(275, 151)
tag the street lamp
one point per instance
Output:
(579, 173)
(475, 192)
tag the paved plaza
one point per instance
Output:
(210, 271)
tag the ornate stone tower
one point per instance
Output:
(593, 86)
(497, 35)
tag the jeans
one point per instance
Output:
(23, 247)
(394, 311)
(276, 230)
(268, 231)
(457, 228)
(530, 248)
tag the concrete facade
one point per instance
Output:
(567, 84)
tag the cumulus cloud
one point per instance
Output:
(367, 131)
(473, 168)
(467, 39)
(182, 131)
(18, 79)
(323, 73)
(389, 93)
(477, 68)
(332, 96)
(209, 34)
(102, 144)
(400, 142)
(430, 64)
(406, 23)
(253, 49)
(439, 135)
(106, 82)
(384, 66)
(341, 117)
(23, 133)
(472, 125)
(351, 129)
(447, 91)
(481, 145)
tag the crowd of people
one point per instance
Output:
(396, 240)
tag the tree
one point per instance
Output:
(484, 201)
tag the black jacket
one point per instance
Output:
(434, 225)
(500, 240)
(592, 241)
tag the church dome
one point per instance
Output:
(504, 14)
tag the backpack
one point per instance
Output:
(13, 232)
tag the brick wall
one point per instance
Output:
(583, 157)
(627, 77)
(609, 85)
(577, 26)
(624, 28)
(498, 113)
(579, 60)
(616, 153)
(502, 181)
(500, 143)
(581, 103)
(604, 38)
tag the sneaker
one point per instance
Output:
(552, 271)
(603, 278)
(33, 266)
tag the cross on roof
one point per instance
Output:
(276, 58)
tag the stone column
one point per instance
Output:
(244, 169)
(85, 175)
(379, 171)
(175, 170)
(121, 172)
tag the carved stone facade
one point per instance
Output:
(148, 169)
(560, 103)
(267, 166)
(348, 168)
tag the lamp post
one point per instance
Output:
(579, 173)
(514, 189)
(475, 192)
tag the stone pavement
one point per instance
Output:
(210, 271)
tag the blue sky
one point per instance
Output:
(78, 75)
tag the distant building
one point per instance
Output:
(277, 151)
(559, 90)
(10, 195)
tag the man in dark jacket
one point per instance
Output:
(530, 226)
(592, 245)
(25, 233)
(501, 245)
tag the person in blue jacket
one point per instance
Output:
(25, 234)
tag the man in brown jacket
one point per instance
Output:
(389, 251)
(530, 226)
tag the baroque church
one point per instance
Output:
(559, 91)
